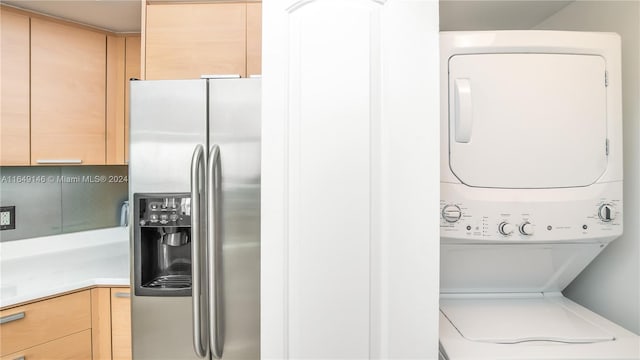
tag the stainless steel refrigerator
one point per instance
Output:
(194, 170)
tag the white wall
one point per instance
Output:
(610, 285)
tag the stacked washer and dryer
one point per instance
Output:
(531, 192)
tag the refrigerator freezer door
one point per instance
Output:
(168, 120)
(234, 108)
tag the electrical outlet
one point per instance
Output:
(7, 217)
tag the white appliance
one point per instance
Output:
(531, 192)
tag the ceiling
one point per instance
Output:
(124, 15)
(496, 15)
(119, 16)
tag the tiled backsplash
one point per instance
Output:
(54, 200)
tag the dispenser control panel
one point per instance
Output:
(540, 218)
(165, 211)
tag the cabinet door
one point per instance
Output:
(43, 321)
(121, 323)
(115, 125)
(72, 347)
(14, 103)
(68, 71)
(123, 63)
(101, 323)
(254, 39)
(132, 70)
(185, 41)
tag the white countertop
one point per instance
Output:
(39, 267)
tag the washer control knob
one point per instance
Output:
(505, 228)
(526, 228)
(451, 213)
(605, 212)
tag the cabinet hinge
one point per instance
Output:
(606, 78)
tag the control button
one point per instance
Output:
(451, 213)
(153, 206)
(605, 212)
(526, 228)
(153, 218)
(505, 228)
(173, 217)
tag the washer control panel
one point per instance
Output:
(537, 220)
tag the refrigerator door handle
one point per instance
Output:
(197, 174)
(214, 246)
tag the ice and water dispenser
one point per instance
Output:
(162, 247)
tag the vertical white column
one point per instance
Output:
(350, 179)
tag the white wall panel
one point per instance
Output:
(329, 122)
(350, 179)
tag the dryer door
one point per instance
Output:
(527, 120)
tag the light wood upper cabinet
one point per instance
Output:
(254, 39)
(115, 100)
(185, 41)
(132, 70)
(68, 72)
(14, 80)
(123, 63)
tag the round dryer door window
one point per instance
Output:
(527, 120)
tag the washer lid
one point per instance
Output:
(527, 120)
(515, 320)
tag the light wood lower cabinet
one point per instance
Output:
(43, 321)
(111, 323)
(88, 324)
(101, 323)
(121, 324)
(73, 347)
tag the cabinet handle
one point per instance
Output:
(12, 317)
(20, 358)
(220, 76)
(59, 161)
(123, 295)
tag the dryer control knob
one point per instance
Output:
(526, 228)
(605, 212)
(451, 213)
(505, 228)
